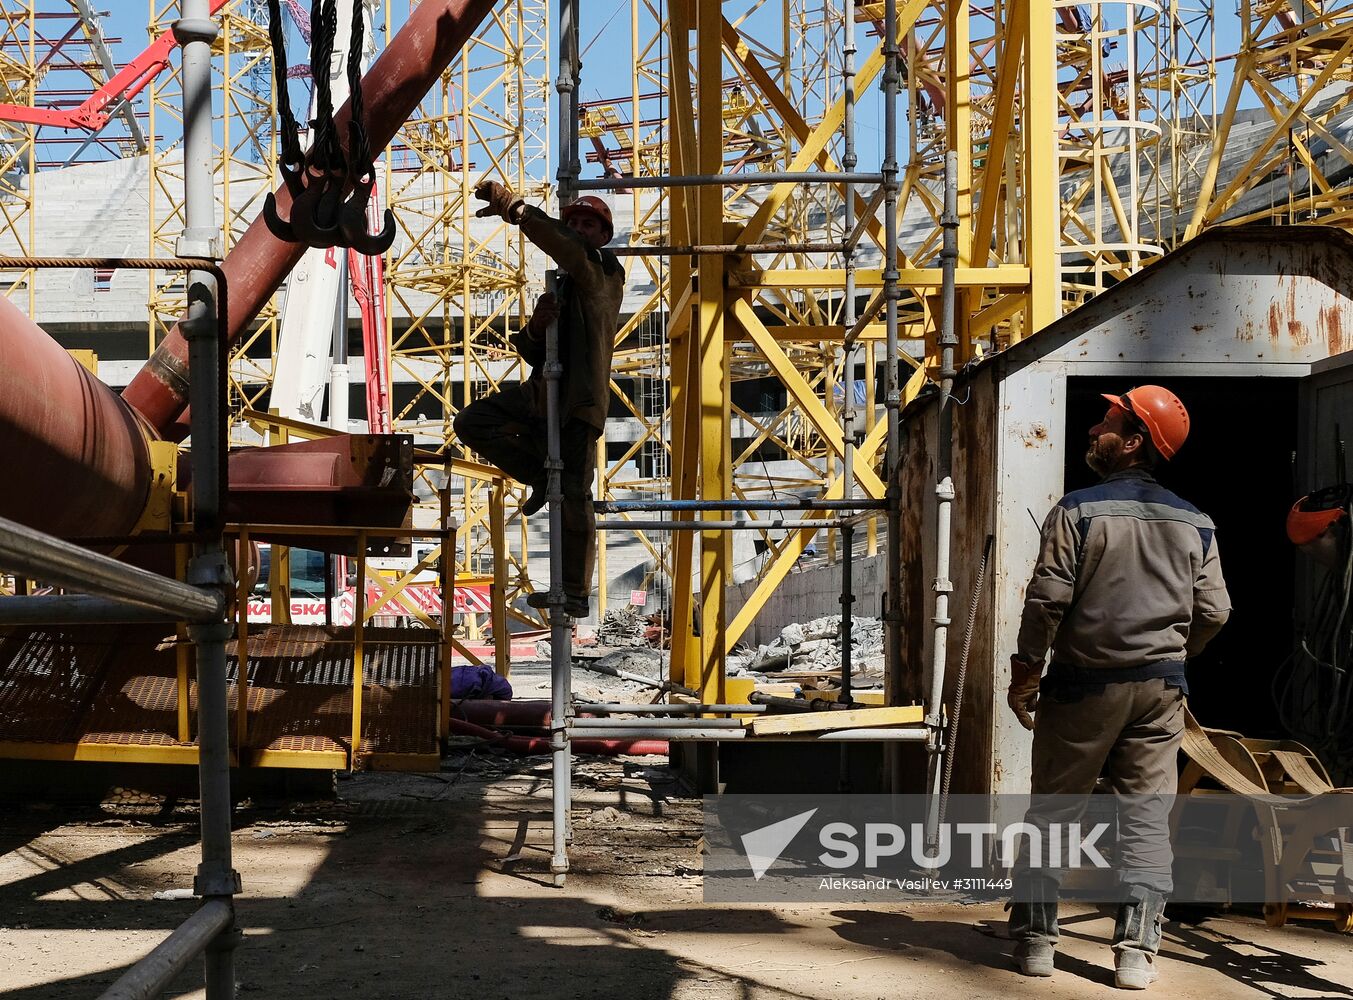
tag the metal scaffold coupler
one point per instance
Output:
(216, 881)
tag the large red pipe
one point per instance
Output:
(77, 459)
(258, 264)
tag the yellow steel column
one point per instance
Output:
(185, 732)
(959, 116)
(502, 639)
(684, 385)
(242, 655)
(601, 535)
(358, 628)
(959, 107)
(1042, 204)
(444, 686)
(715, 457)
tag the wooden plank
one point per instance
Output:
(851, 718)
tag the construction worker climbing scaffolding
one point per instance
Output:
(1127, 587)
(508, 426)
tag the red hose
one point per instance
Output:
(533, 712)
(541, 744)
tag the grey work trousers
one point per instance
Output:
(507, 430)
(1131, 731)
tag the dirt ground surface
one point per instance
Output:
(437, 885)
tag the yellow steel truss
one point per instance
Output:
(457, 288)
(1294, 63)
(19, 79)
(245, 152)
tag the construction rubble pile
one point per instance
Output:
(815, 646)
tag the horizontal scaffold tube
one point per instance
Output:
(728, 180)
(151, 976)
(607, 708)
(626, 743)
(789, 503)
(259, 262)
(74, 609)
(34, 555)
(782, 524)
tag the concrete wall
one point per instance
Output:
(814, 593)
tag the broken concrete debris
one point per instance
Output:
(816, 645)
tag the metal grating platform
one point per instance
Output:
(84, 692)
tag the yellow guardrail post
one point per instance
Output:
(502, 639)
(181, 683)
(448, 568)
(242, 647)
(358, 634)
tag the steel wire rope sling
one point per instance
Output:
(317, 179)
(314, 215)
(361, 164)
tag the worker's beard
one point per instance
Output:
(1104, 453)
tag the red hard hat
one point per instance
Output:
(1161, 413)
(594, 205)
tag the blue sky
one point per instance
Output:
(605, 34)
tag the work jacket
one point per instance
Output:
(589, 297)
(1128, 577)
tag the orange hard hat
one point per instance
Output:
(1160, 412)
(594, 205)
(1305, 526)
(1312, 515)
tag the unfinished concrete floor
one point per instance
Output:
(435, 886)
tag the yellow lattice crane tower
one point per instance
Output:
(244, 164)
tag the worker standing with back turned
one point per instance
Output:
(1127, 587)
(508, 426)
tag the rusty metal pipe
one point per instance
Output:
(78, 459)
(260, 262)
(80, 456)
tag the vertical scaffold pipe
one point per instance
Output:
(848, 436)
(561, 637)
(892, 612)
(945, 493)
(216, 877)
(561, 633)
(259, 262)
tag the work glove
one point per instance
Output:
(545, 313)
(502, 201)
(1023, 694)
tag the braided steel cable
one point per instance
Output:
(325, 151)
(292, 154)
(359, 147)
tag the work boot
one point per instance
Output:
(539, 495)
(574, 607)
(1033, 924)
(1133, 969)
(1136, 938)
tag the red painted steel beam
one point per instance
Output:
(76, 458)
(258, 264)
